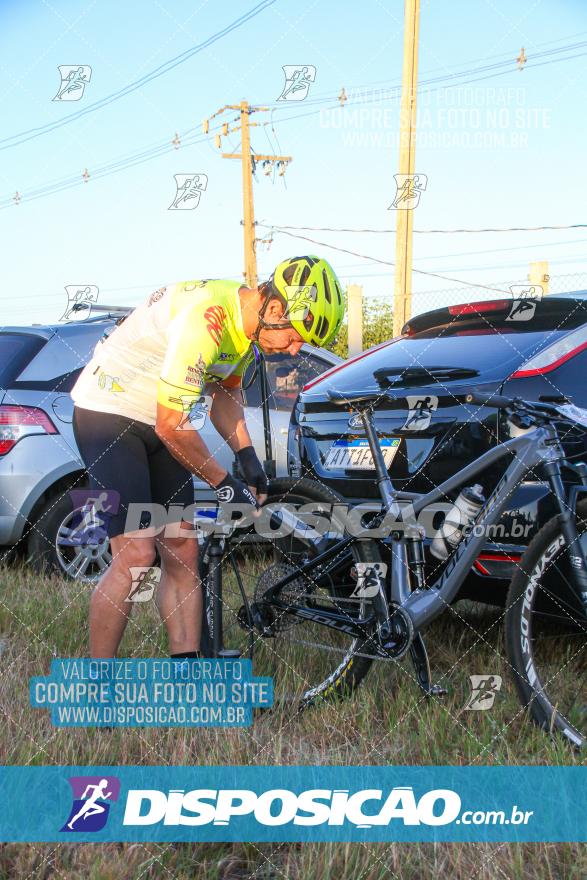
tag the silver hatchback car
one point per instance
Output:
(39, 459)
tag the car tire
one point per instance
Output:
(44, 554)
(42, 539)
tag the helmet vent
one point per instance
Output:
(305, 275)
(322, 327)
(327, 292)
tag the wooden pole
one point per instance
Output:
(248, 210)
(248, 222)
(402, 300)
(538, 274)
(355, 319)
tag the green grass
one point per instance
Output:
(386, 722)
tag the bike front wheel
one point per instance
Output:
(546, 633)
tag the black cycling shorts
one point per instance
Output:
(128, 457)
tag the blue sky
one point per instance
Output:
(501, 151)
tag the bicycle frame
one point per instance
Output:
(540, 446)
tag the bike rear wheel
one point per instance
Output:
(308, 661)
(546, 634)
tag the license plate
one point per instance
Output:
(356, 455)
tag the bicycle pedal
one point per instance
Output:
(436, 690)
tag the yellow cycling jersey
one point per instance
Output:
(181, 337)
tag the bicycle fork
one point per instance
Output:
(567, 521)
(388, 624)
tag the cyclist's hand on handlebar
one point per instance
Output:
(231, 491)
(253, 472)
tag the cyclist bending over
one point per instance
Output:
(186, 341)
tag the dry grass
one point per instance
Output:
(387, 722)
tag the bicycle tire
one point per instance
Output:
(538, 599)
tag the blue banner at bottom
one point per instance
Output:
(312, 804)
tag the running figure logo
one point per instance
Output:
(484, 688)
(189, 188)
(79, 301)
(74, 79)
(144, 581)
(91, 509)
(195, 408)
(299, 302)
(525, 299)
(370, 578)
(297, 82)
(420, 412)
(91, 796)
(409, 188)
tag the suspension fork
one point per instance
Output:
(567, 521)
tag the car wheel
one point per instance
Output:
(54, 546)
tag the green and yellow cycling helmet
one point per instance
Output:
(312, 296)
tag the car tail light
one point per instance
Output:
(554, 355)
(21, 421)
(479, 308)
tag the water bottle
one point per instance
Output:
(461, 515)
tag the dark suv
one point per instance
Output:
(536, 349)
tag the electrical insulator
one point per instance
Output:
(176, 141)
(86, 175)
(225, 128)
(217, 141)
(281, 166)
(206, 125)
(342, 97)
(267, 165)
(16, 197)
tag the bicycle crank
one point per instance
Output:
(395, 639)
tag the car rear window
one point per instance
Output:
(16, 350)
(498, 356)
(442, 354)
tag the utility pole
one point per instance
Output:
(248, 207)
(248, 162)
(355, 319)
(539, 274)
(402, 300)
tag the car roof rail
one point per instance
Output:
(105, 311)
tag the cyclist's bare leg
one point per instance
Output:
(179, 597)
(109, 612)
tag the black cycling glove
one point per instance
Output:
(231, 491)
(252, 469)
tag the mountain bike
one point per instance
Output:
(316, 602)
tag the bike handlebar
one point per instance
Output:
(483, 398)
(533, 408)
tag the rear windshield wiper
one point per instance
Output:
(394, 377)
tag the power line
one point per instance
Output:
(101, 171)
(428, 231)
(503, 55)
(23, 136)
(118, 165)
(509, 65)
(385, 262)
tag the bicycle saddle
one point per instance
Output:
(346, 398)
